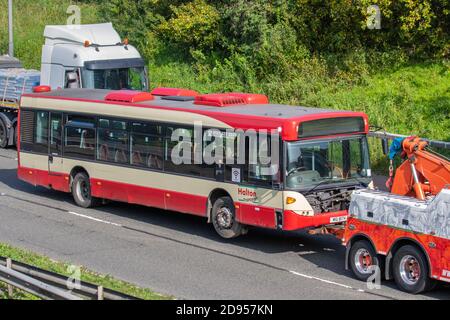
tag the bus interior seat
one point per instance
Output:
(136, 158)
(153, 161)
(120, 156)
(103, 152)
(83, 141)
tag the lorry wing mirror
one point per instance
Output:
(385, 146)
(72, 81)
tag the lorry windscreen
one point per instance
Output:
(327, 161)
(134, 78)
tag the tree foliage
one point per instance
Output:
(280, 37)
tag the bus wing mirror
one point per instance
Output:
(385, 146)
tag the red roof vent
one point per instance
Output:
(129, 96)
(41, 89)
(252, 98)
(230, 99)
(174, 92)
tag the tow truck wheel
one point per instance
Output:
(81, 191)
(410, 268)
(363, 259)
(224, 218)
(3, 135)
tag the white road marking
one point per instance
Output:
(94, 219)
(323, 280)
(304, 253)
(83, 216)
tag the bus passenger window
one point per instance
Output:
(147, 148)
(41, 132)
(79, 142)
(79, 137)
(112, 139)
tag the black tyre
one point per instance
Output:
(81, 191)
(16, 135)
(224, 219)
(363, 258)
(3, 135)
(410, 269)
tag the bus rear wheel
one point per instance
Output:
(224, 218)
(81, 191)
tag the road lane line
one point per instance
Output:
(94, 219)
(206, 248)
(323, 280)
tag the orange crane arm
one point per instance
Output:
(423, 173)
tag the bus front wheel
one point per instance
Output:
(81, 191)
(224, 218)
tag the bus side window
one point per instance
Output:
(41, 132)
(55, 131)
(79, 137)
(266, 168)
(185, 149)
(112, 141)
(147, 147)
(235, 162)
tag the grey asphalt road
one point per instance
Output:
(177, 254)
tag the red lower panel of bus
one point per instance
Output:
(248, 214)
(293, 221)
(256, 216)
(56, 181)
(151, 197)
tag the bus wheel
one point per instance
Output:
(3, 135)
(411, 271)
(224, 218)
(364, 260)
(81, 191)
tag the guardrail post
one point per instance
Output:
(10, 287)
(100, 295)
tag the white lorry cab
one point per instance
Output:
(90, 56)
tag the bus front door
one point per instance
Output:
(57, 179)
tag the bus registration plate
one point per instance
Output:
(338, 219)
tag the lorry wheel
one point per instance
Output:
(224, 218)
(81, 191)
(363, 259)
(410, 269)
(16, 135)
(3, 135)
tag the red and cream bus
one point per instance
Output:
(118, 145)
